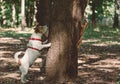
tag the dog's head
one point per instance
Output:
(41, 29)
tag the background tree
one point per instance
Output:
(116, 14)
(29, 12)
(1, 19)
(23, 14)
(13, 13)
(93, 16)
(98, 10)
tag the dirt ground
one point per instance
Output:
(98, 64)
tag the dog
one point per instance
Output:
(35, 45)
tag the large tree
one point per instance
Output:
(64, 19)
(65, 27)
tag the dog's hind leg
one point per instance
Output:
(24, 71)
(42, 65)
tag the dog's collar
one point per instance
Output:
(33, 48)
(38, 39)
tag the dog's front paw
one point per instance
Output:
(49, 44)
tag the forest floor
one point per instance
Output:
(98, 62)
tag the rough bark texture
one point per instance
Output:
(61, 65)
(42, 15)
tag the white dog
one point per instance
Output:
(32, 52)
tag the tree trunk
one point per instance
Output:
(17, 12)
(116, 15)
(35, 11)
(93, 13)
(42, 15)
(29, 13)
(61, 64)
(13, 13)
(1, 18)
(23, 14)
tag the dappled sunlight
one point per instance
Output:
(11, 75)
(17, 30)
(98, 58)
(5, 54)
(99, 42)
(10, 60)
(91, 40)
(9, 40)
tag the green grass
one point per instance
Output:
(102, 34)
(14, 34)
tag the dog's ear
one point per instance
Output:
(41, 29)
(36, 29)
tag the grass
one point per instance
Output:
(102, 34)
(91, 35)
(14, 34)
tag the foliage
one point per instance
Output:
(6, 12)
(103, 9)
(104, 34)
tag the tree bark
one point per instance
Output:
(1, 18)
(116, 15)
(23, 23)
(35, 11)
(93, 13)
(42, 15)
(13, 13)
(30, 13)
(61, 64)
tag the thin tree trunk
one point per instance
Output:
(23, 23)
(93, 13)
(13, 14)
(28, 14)
(17, 12)
(32, 10)
(35, 11)
(116, 15)
(3, 21)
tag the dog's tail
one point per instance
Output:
(16, 57)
